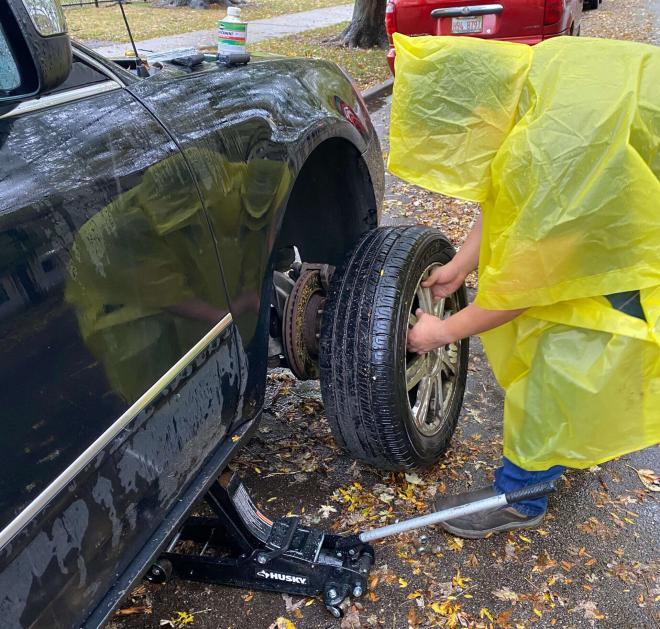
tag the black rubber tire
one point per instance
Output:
(363, 349)
(589, 5)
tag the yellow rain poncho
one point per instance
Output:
(560, 143)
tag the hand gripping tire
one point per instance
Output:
(385, 406)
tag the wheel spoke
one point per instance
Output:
(416, 369)
(412, 319)
(439, 308)
(423, 401)
(425, 299)
(438, 397)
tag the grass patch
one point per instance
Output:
(147, 21)
(367, 67)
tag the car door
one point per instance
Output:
(119, 370)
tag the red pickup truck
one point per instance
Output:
(524, 21)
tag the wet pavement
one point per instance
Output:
(593, 562)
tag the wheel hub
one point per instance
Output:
(302, 320)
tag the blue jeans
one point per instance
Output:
(510, 476)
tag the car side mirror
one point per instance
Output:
(35, 50)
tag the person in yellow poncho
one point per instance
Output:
(560, 144)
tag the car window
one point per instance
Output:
(9, 76)
(82, 74)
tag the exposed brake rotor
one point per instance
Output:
(301, 328)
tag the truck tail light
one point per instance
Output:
(553, 11)
(390, 19)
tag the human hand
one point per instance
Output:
(427, 334)
(444, 280)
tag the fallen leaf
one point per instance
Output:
(130, 611)
(506, 594)
(352, 619)
(591, 612)
(413, 478)
(403, 583)
(180, 619)
(326, 510)
(649, 479)
(455, 543)
(282, 623)
(290, 605)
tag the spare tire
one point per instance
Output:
(385, 406)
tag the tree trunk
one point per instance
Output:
(367, 28)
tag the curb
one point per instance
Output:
(378, 91)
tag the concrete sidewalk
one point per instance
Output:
(279, 26)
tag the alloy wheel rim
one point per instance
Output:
(431, 378)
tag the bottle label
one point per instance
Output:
(231, 37)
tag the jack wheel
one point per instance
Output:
(160, 572)
(337, 612)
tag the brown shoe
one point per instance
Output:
(478, 525)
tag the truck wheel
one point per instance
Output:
(385, 406)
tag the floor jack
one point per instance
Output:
(241, 547)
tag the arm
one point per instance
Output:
(445, 280)
(430, 332)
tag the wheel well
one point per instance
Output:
(332, 203)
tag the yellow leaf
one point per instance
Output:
(403, 583)
(257, 470)
(284, 623)
(414, 595)
(436, 608)
(486, 613)
(537, 612)
(235, 438)
(455, 543)
(525, 539)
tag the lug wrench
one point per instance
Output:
(477, 506)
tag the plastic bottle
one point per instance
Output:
(232, 34)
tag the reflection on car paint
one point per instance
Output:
(108, 260)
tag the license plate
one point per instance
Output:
(467, 24)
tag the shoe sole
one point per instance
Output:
(512, 526)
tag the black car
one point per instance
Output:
(165, 235)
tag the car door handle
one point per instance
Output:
(475, 9)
